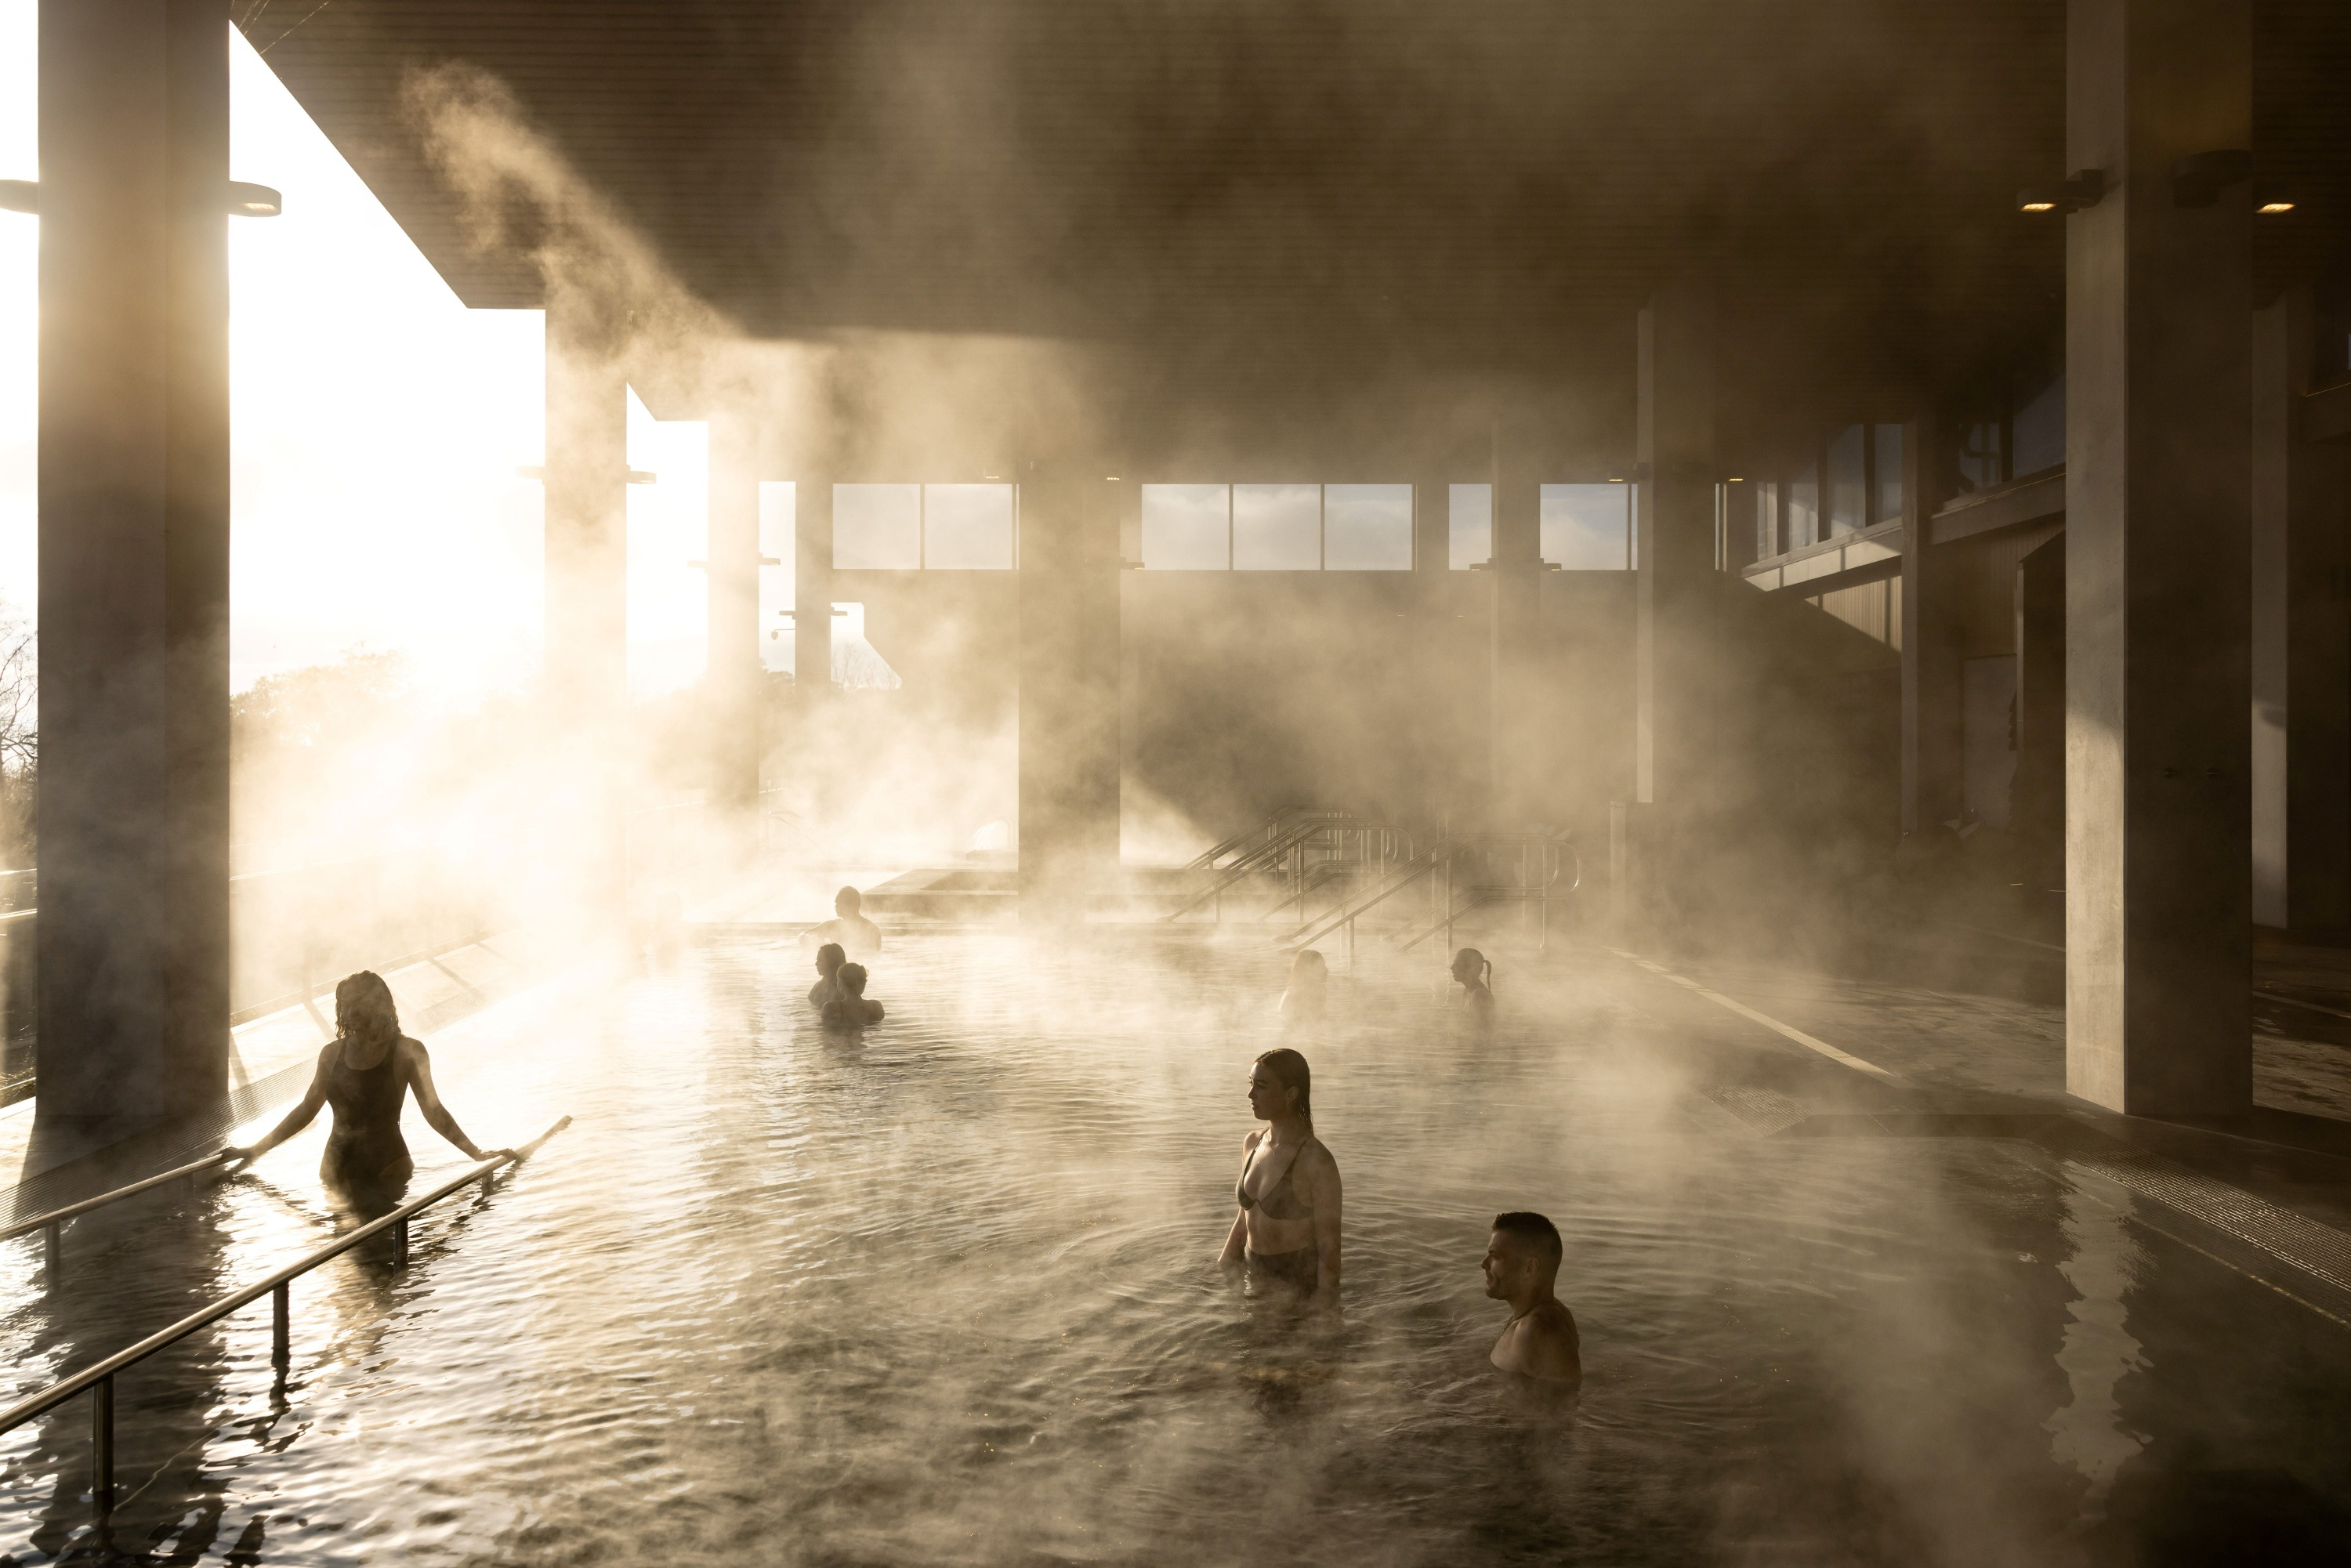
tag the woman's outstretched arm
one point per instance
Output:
(297, 1118)
(428, 1099)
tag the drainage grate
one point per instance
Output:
(2319, 1250)
(1767, 1110)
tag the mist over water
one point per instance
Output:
(945, 1293)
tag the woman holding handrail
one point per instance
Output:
(365, 1075)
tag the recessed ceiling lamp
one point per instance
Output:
(2081, 190)
(2273, 208)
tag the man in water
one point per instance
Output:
(1522, 1260)
(856, 934)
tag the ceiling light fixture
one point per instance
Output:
(2275, 207)
(2083, 189)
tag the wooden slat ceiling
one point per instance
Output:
(1457, 181)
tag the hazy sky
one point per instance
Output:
(378, 426)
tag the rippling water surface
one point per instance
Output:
(943, 1293)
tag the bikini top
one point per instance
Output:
(1282, 1202)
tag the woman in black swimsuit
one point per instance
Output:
(1287, 1231)
(364, 1074)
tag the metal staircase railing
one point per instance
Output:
(1310, 844)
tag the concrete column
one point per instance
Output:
(1069, 587)
(1678, 583)
(133, 933)
(1931, 734)
(2300, 642)
(1515, 576)
(1432, 527)
(734, 680)
(811, 589)
(2159, 865)
(587, 555)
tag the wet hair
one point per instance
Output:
(1288, 1070)
(851, 978)
(850, 897)
(1307, 961)
(364, 1008)
(1534, 1230)
(1474, 961)
(830, 959)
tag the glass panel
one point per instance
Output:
(967, 527)
(877, 527)
(1584, 527)
(1186, 527)
(1848, 505)
(2038, 436)
(1469, 526)
(1276, 528)
(1888, 459)
(776, 526)
(1767, 508)
(1367, 527)
(1803, 514)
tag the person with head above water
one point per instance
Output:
(365, 1074)
(1287, 1230)
(1303, 1002)
(1475, 974)
(1522, 1257)
(829, 960)
(858, 936)
(848, 1007)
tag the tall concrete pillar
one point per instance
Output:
(1931, 714)
(1069, 587)
(133, 933)
(1678, 588)
(1677, 580)
(811, 589)
(1515, 577)
(2301, 641)
(2157, 592)
(586, 562)
(734, 680)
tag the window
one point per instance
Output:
(1470, 529)
(1188, 527)
(1276, 528)
(1802, 516)
(1885, 462)
(2037, 439)
(877, 527)
(1767, 519)
(1587, 527)
(1367, 527)
(1849, 498)
(967, 527)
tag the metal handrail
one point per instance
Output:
(54, 1221)
(1346, 913)
(98, 1380)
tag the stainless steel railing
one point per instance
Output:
(98, 1380)
(53, 1221)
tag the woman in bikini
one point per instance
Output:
(1287, 1232)
(365, 1075)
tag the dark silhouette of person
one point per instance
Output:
(1306, 999)
(1476, 973)
(849, 1009)
(1521, 1267)
(829, 960)
(365, 1076)
(859, 936)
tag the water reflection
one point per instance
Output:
(2098, 1352)
(949, 1297)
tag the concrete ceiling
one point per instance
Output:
(1478, 187)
